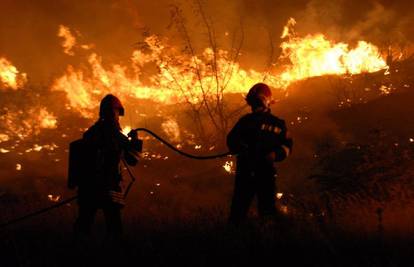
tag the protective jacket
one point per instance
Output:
(254, 137)
(96, 164)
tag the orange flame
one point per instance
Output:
(24, 124)
(191, 78)
(10, 76)
(315, 55)
(69, 41)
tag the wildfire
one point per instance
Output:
(180, 77)
(24, 124)
(47, 120)
(191, 78)
(10, 76)
(315, 55)
(69, 41)
(172, 129)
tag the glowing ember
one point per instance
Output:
(411, 140)
(279, 195)
(228, 166)
(53, 198)
(386, 90)
(10, 76)
(4, 138)
(284, 209)
(18, 167)
(3, 151)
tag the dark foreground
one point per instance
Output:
(204, 240)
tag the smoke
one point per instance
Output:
(381, 23)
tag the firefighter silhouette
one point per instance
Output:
(259, 139)
(94, 168)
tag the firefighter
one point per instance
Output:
(259, 139)
(95, 168)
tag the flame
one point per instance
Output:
(180, 78)
(187, 78)
(69, 41)
(315, 55)
(47, 120)
(171, 128)
(4, 138)
(10, 76)
(25, 124)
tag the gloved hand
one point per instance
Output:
(133, 134)
(136, 143)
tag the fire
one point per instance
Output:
(10, 77)
(172, 129)
(228, 166)
(315, 55)
(69, 41)
(4, 138)
(53, 198)
(47, 120)
(187, 78)
(25, 124)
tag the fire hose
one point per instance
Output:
(68, 200)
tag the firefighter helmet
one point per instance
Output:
(109, 103)
(259, 95)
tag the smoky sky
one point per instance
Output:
(28, 29)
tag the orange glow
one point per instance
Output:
(69, 41)
(25, 124)
(315, 55)
(183, 78)
(10, 76)
(172, 130)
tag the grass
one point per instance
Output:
(203, 239)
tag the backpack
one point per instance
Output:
(80, 169)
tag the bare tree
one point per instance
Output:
(211, 109)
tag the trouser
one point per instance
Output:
(86, 217)
(249, 185)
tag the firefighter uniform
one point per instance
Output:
(98, 176)
(259, 139)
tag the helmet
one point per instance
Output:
(259, 95)
(109, 103)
